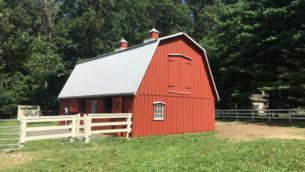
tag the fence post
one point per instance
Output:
(87, 128)
(236, 114)
(269, 119)
(223, 115)
(23, 124)
(252, 114)
(77, 126)
(128, 125)
(289, 116)
(73, 127)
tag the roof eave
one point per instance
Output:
(99, 95)
(214, 85)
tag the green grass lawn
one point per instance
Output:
(186, 152)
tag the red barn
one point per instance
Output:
(166, 83)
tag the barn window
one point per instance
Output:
(93, 107)
(159, 110)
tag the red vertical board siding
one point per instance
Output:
(191, 110)
(99, 108)
(181, 115)
(73, 106)
(117, 104)
(62, 104)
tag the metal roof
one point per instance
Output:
(117, 73)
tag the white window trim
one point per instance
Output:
(179, 55)
(159, 102)
(162, 110)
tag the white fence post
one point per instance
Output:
(73, 129)
(236, 114)
(87, 128)
(252, 114)
(77, 126)
(23, 125)
(128, 125)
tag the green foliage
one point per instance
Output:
(13, 89)
(43, 60)
(260, 47)
(251, 45)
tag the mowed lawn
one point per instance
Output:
(184, 152)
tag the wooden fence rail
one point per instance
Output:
(9, 135)
(48, 130)
(93, 120)
(269, 114)
(72, 126)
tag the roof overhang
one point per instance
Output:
(100, 95)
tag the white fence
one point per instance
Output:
(94, 120)
(73, 126)
(9, 134)
(47, 130)
(269, 114)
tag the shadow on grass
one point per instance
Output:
(273, 122)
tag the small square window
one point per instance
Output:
(159, 110)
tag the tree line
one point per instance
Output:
(252, 45)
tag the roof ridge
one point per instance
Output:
(115, 52)
(129, 48)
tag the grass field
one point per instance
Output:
(186, 152)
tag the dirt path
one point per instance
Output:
(249, 131)
(12, 159)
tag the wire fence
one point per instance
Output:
(264, 114)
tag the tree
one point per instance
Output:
(251, 45)
(13, 90)
(259, 48)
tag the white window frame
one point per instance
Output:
(93, 106)
(159, 110)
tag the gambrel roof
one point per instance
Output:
(117, 73)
